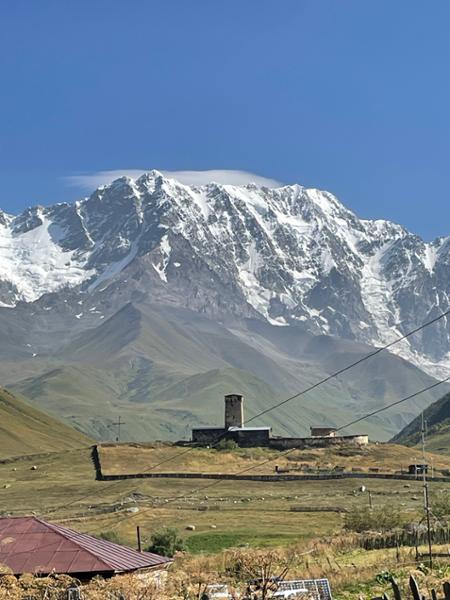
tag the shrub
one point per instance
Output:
(227, 445)
(166, 542)
(366, 519)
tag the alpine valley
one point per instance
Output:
(151, 299)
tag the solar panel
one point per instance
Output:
(315, 589)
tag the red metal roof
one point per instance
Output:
(30, 545)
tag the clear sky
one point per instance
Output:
(352, 96)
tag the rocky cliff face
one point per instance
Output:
(286, 255)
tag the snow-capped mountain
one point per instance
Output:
(289, 255)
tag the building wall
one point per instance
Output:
(249, 438)
(323, 431)
(283, 443)
(207, 435)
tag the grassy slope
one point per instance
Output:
(437, 417)
(165, 371)
(257, 513)
(25, 430)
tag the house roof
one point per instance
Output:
(30, 545)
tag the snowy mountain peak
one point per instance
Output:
(287, 254)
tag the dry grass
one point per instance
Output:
(119, 459)
(228, 514)
(352, 573)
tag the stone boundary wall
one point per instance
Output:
(286, 443)
(100, 476)
(281, 477)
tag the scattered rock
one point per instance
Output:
(6, 486)
(407, 485)
(213, 526)
(362, 488)
(34, 468)
(190, 527)
(414, 498)
(133, 509)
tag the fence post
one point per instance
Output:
(414, 588)
(446, 587)
(396, 590)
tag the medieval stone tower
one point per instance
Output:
(234, 411)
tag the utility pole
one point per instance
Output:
(426, 495)
(118, 424)
(138, 535)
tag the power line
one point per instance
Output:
(354, 364)
(379, 410)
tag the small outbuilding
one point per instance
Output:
(31, 545)
(417, 469)
(323, 432)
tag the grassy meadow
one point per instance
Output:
(224, 514)
(231, 516)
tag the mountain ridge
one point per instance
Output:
(287, 255)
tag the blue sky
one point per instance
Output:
(346, 95)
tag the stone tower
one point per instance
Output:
(234, 411)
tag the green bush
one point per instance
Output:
(166, 542)
(381, 519)
(227, 445)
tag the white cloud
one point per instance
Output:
(92, 181)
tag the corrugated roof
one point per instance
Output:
(30, 545)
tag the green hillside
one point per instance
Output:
(164, 370)
(437, 418)
(25, 430)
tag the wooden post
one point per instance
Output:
(396, 590)
(446, 587)
(370, 499)
(138, 533)
(414, 588)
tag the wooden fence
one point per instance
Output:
(440, 535)
(415, 591)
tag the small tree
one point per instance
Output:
(261, 570)
(166, 542)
